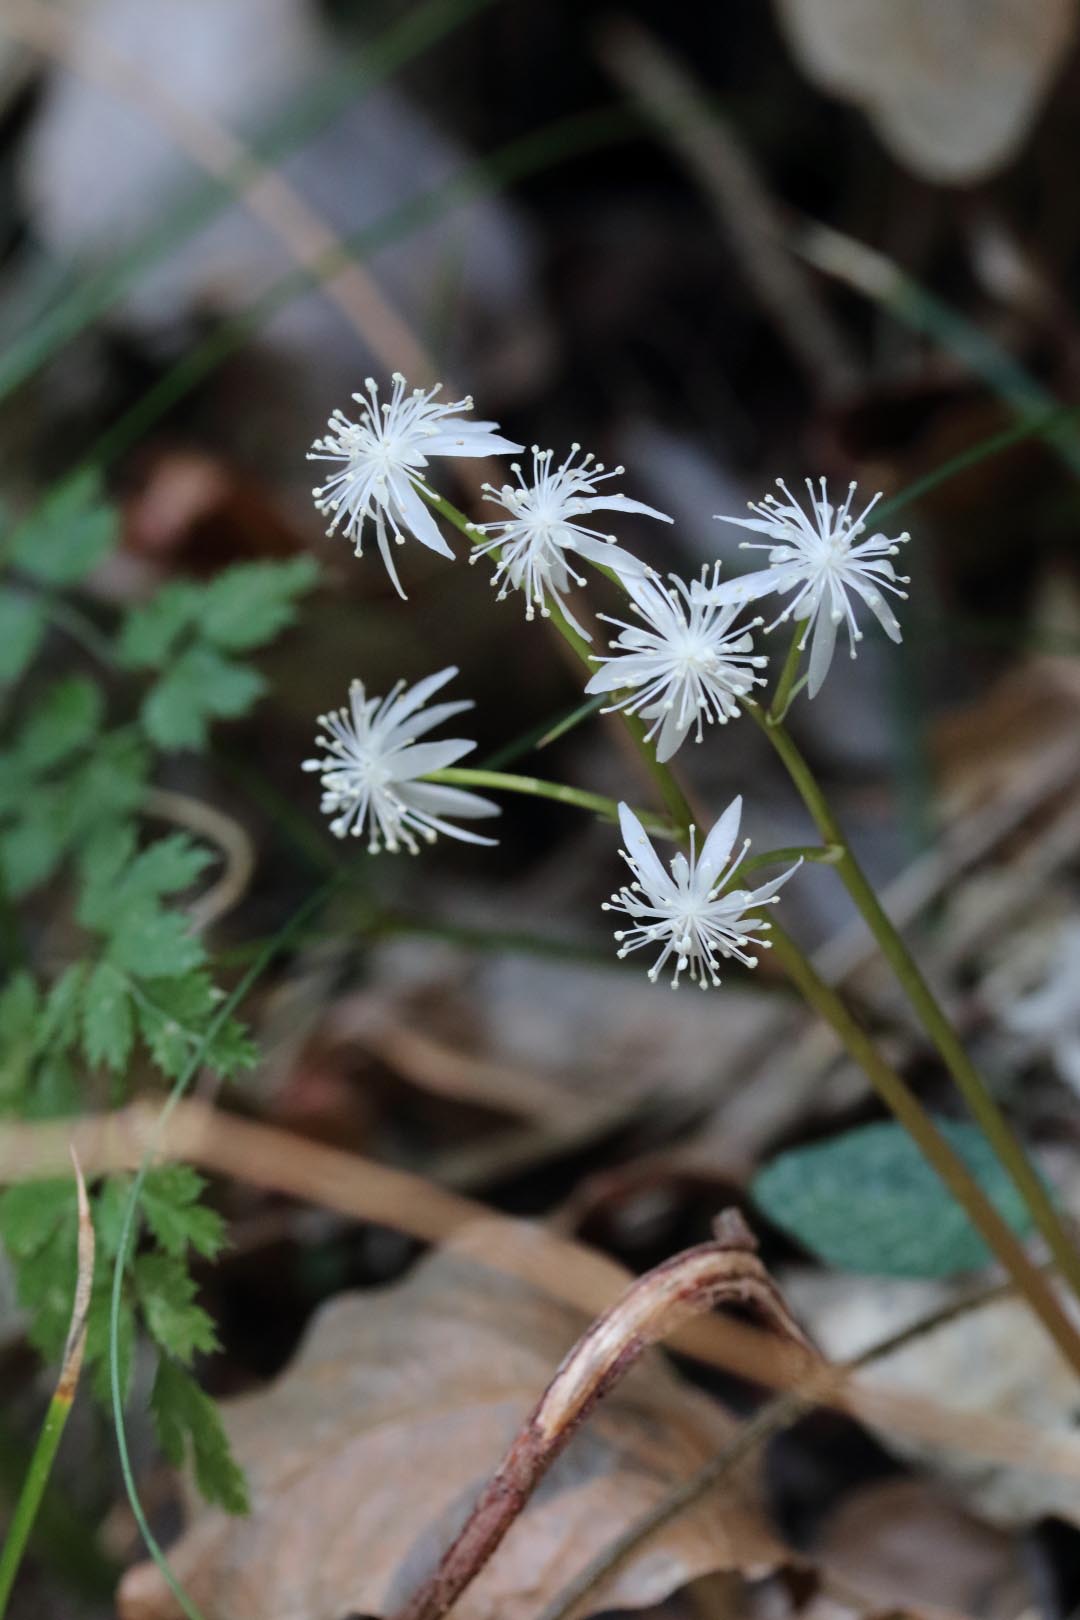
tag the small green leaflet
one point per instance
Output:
(199, 686)
(22, 625)
(68, 535)
(62, 721)
(183, 1413)
(246, 606)
(868, 1201)
(166, 1294)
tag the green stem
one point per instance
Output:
(673, 798)
(26, 1509)
(785, 686)
(890, 1087)
(561, 792)
(901, 1100)
(968, 1080)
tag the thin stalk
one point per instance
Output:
(893, 1090)
(970, 1083)
(785, 686)
(902, 1102)
(561, 792)
(128, 1226)
(673, 798)
(48, 1441)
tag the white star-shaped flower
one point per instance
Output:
(373, 765)
(684, 911)
(685, 662)
(382, 457)
(818, 555)
(544, 529)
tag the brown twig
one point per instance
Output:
(771, 1419)
(725, 1271)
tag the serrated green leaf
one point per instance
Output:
(55, 1092)
(108, 1024)
(183, 1411)
(30, 1213)
(20, 1007)
(173, 1017)
(110, 783)
(868, 1201)
(150, 632)
(72, 531)
(166, 1294)
(148, 942)
(58, 1027)
(170, 1203)
(64, 720)
(22, 625)
(200, 686)
(247, 605)
(168, 865)
(31, 851)
(46, 1283)
(19, 1013)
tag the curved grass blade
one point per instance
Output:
(26, 1509)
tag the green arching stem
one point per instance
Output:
(892, 1089)
(968, 1080)
(672, 796)
(26, 1508)
(905, 1106)
(785, 686)
(502, 781)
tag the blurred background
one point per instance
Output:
(715, 245)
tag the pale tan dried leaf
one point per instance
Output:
(366, 1456)
(951, 88)
(991, 1362)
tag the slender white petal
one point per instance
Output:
(380, 462)
(536, 544)
(372, 760)
(819, 560)
(686, 915)
(686, 662)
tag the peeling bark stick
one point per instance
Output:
(725, 1271)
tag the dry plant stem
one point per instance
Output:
(724, 1271)
(776, 1415)
(37, 1477)
(968, 1080)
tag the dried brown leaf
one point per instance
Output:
(366, 1457)
(952, 89)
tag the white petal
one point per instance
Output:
(417, 759)
(620, 503)
(417, 515)
(718, 845)
(821, 650)
(640, 850)
(439, 799)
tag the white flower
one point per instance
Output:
(684, 662)
(382, 456)
(685, 913)
(544, 528)
(1049, 1016)
(820, 557)
(371, 769)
